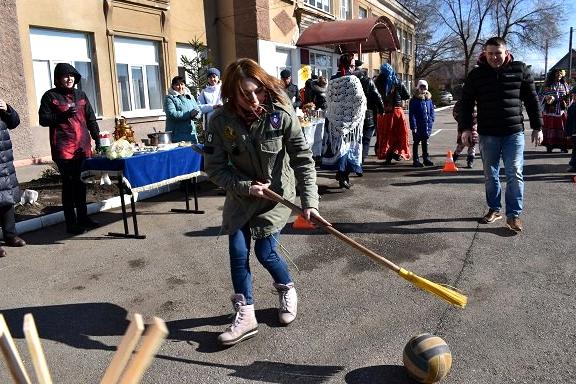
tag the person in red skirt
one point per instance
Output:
(392, 125)
(555, 99)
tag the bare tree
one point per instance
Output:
(528, 24)
(467, 21)
(431, 47)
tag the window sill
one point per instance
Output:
(151, 114)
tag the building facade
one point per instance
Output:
(128, 50)
(267, 31)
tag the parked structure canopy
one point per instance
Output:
(375, 34)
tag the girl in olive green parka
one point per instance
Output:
(255, 142)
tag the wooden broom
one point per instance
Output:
(451, 296)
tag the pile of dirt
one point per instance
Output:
(49, 188)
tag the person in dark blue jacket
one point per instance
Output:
(421, 116)
(9, 190)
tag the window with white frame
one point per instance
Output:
(405, 43)
(321, 64)
(362, 13)
(410, 38)
(190, 54)
(345, 9)
(323, 5)
(50, 47)
(138, 75)
(284, 61)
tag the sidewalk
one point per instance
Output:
(27, 173)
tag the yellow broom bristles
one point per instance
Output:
(451, 296)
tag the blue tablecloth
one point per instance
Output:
(148, 170)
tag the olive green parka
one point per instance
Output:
(272, 149)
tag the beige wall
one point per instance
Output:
(186, 21)
(12, 79)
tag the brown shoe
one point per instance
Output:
(15, 242)
(514, 224)
(490, 217)
(2, 252)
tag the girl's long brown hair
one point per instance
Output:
(247, 68)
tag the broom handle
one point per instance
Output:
(373, 255)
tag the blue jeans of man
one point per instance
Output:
(511, 150)
(265, 250)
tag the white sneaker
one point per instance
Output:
(288, 302)
(244, 325)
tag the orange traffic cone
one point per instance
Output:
(302, 223)
(449, 165)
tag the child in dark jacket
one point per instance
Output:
(459, 144)
(421, 116)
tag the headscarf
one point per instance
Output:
(388, 73)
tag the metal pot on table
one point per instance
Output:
(160, 138)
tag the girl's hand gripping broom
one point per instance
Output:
(451, 296)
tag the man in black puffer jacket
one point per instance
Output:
(499, 86)
(68, 113)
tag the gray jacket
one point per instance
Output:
(273, 149)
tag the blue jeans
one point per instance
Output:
(265, 249)
(366, 138)
(511, 150)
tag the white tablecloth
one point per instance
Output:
(313, 134)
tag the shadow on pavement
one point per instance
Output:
(76, 325)
(379, 374)
(390, 227)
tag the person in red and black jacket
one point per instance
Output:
(68, 113)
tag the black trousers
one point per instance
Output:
(73, 190)
(415, 146)
(7, 221)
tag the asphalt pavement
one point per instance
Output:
(354, 316)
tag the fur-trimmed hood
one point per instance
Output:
(423, 95)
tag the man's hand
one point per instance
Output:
(537, 137)
(3, 105)
(194, 113)
(469, 138)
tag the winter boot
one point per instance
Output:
(425, 155)
(428, 162)
(288, 302)
(455, 156)
(470, 161)
(244, 325)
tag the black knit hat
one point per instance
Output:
(285, 74)
(63, 69)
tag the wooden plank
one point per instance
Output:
(36, 351)
(124, 351)
(11, 355)
(152, 341)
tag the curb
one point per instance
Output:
(111, 203)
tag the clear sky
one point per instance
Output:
(536, 59)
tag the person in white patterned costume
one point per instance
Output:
(342, 141)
